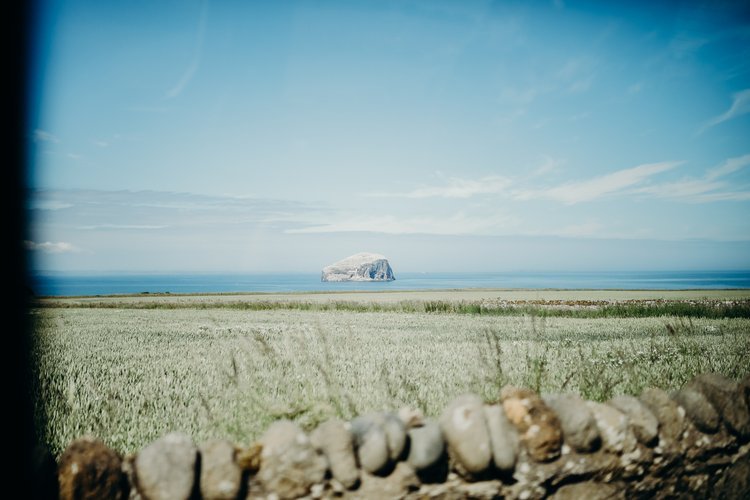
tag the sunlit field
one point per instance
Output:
(130, 369)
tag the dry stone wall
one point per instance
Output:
(694, 443)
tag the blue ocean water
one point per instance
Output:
(64, 284)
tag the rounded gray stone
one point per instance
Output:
(613, 428)
(728, 398)
(336, 442)
(165, 469)
(698, 409)
(290, 465)
(370, 442)
(221, 476)
(643, 422)
(577, 421)
(670, 415)
(465, 429)
(426, 445)
(395, 434)
(504, 439)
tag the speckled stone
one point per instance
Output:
(728, 398)
(537, 424)
(699, 409)
(465, 429)
(670, 415)
(290, 465)
(89, 470)
(613, 428)
(165, 469)
(221, 476)
(397, 484)
(643, 422)
(336, 442)
(578, 423)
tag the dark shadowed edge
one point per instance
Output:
(17, 33)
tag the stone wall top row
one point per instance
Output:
(693, 441)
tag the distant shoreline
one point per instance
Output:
(386, 292)
(467, 294)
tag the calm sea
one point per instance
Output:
(63, 284)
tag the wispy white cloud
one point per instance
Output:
(682, 189)
(709, 188)
(50, 247)
(581, 85)
(577, 74)
(44, 136)
(460, 223)
(570, 69)
(729, 166)
(49, 205)
(489, 205)
(125, 212)
(121, 226)
(520, 96)
(196, 60)
(696, 191)
(186, 77)
(454, 188)
(101, 144)
(598, 187)
(684, 45)
(74, 156)
(722, 196)
(625, 182)
(740, 106)
(548, 165)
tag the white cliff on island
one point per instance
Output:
(359, 267)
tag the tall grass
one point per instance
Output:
(131, 375)
(554, 309)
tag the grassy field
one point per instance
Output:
(129, 369)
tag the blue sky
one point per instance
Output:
(449, 136)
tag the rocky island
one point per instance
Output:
(359, 267)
